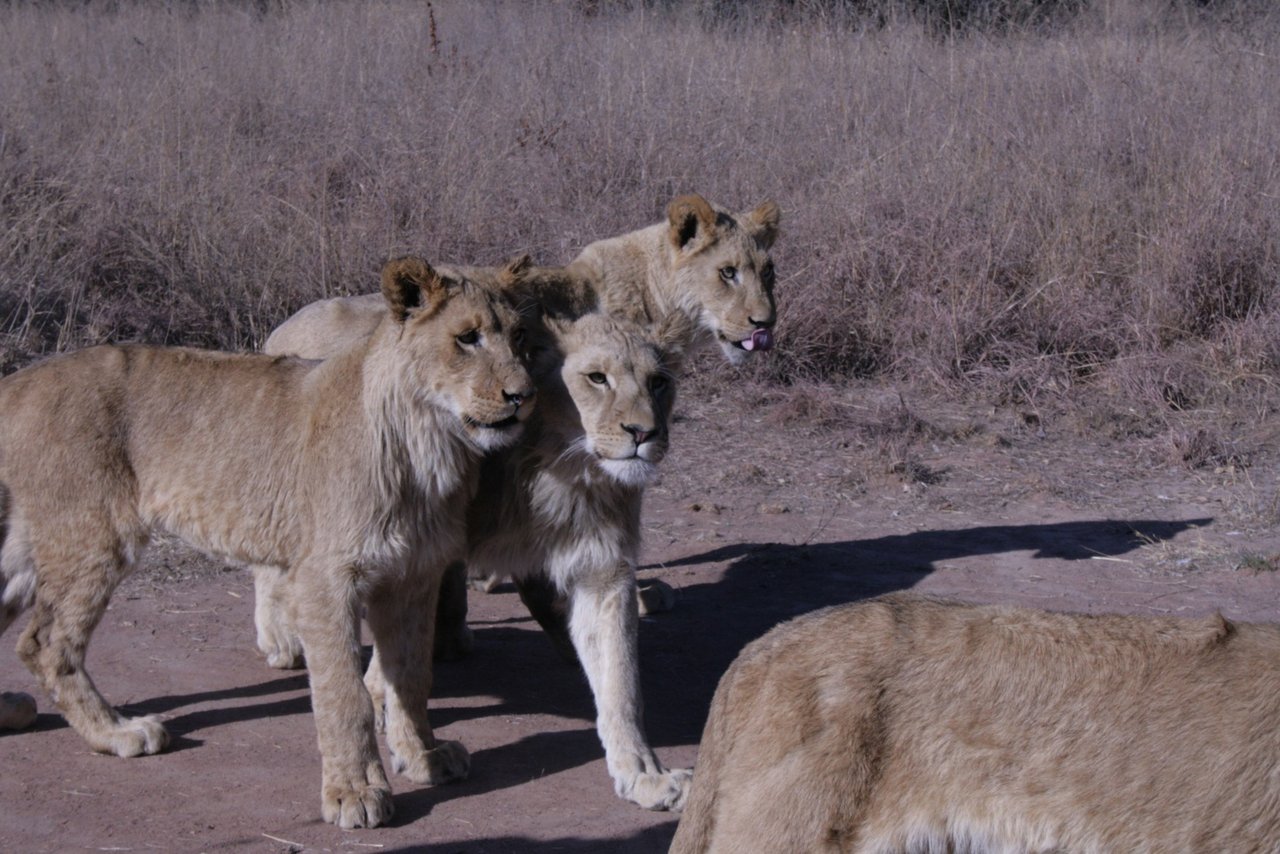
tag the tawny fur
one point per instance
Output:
(350, 475)
(566, 501)
(910, 724)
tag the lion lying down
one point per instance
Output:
(909, 724)
(351, 475)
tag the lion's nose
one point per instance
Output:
(638, 434)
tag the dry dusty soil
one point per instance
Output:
(767, 509)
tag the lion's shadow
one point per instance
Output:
(684, 651)
(768, 583)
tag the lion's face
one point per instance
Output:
(724, 276)
(469, 340)
(619, 378)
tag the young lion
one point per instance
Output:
(703, 261)
(909, 724)
(349, 474)
(565, 502)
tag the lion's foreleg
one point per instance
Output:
(277, 637)
(604, 621)
(354, 789)
(402, 621)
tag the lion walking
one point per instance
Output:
(910, 724)
(350, 475)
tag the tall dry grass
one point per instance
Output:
(1045, 207)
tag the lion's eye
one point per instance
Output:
(728, 273)
(766, 275)
(468, 338)
(597, 378)
(659, 384)
(517, 337)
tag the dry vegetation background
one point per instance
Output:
(1013, 199)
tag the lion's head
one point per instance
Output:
(611, 387)
(723, 274)
(466, 340)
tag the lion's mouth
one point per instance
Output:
(505, 423)
(761, 339)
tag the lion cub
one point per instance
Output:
(352, 475)
(909, 724)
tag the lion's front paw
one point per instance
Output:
(665, 790)
(655, 596)
(448, 761)
(17, 711)
(131, 737)
(356, 804)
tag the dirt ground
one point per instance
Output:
(768, 508)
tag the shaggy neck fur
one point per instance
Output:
(418, 458)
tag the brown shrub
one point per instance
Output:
(1027, 211)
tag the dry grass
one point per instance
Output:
(1025, 210)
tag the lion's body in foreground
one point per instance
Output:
(349, 475)
(909, 724)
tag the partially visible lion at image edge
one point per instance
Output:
(906, 724)
(350, 476)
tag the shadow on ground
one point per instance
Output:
(651, 839)
(683, 652)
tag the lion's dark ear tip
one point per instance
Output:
(687, 215)
(404, 281)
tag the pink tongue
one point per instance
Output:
(761, 339)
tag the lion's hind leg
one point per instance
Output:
(76, 582)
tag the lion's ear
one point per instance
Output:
(762, 223)
(691, 219)
(557, 327)
(515, 271)
(409, 284)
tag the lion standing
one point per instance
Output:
(351, 475)
(703, 261)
